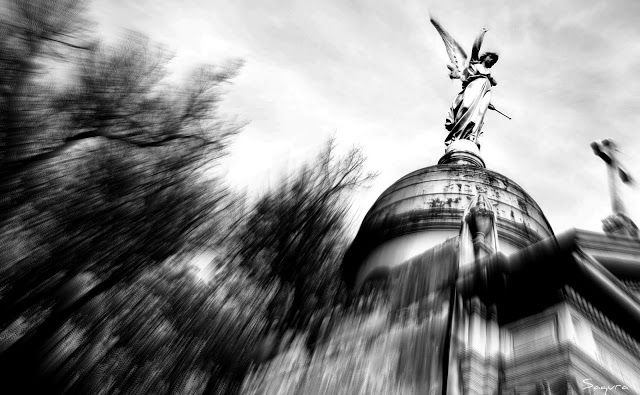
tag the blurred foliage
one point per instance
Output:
(295, 235)
(107, 198)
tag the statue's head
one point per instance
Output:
(488, 59)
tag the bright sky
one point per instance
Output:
(373, 74)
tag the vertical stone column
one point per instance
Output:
(566, 332)
(478, 328)
(475, 359)
(492, 355)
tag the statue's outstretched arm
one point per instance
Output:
(475, 51)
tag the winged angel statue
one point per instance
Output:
(466, 115)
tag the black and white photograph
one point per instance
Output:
(349, 197)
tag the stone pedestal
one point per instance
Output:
(462, 152)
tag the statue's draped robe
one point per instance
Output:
(466, 115)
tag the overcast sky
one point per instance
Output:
(373, 74)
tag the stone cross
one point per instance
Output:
(617, 223)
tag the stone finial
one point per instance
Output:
(478, 236)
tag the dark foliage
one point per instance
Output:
(107, 195)
(295, 236)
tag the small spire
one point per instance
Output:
(478, 235)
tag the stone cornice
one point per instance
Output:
(619, 254)
(601, 320)
(543, 270)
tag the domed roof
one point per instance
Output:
(425, 207)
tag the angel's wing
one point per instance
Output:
(454, 50)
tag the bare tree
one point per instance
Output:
(296, 233)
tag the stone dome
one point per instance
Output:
(425, 207)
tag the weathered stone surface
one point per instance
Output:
(429, 203)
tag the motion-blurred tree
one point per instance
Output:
(101, 178)
(105, 192)
(165, 333)
(296, 235)
(32, 33)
